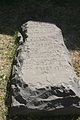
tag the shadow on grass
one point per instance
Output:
(8, 97)
(44, 118)
(65, 14)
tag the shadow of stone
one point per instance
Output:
(65, 14)
(32, 117)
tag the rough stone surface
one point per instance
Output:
(43, 79)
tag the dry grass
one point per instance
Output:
(76, 61)
(7, 50)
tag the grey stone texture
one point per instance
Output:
(43, 78)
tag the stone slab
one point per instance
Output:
(43, 78)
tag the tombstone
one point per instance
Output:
(43, 78)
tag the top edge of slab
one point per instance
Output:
(46, 60)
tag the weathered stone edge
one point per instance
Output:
(16, 79)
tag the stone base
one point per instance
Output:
(43, 79)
